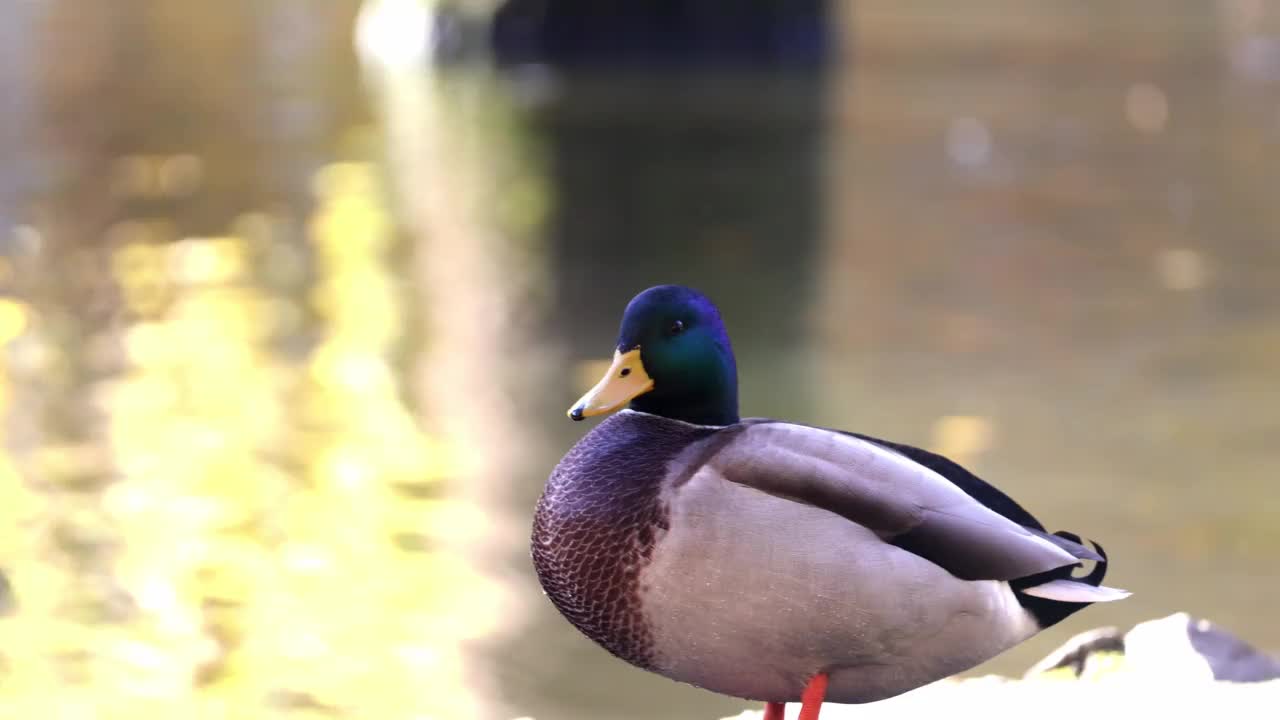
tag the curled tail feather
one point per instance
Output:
(1054, 595)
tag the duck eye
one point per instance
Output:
(677, 327)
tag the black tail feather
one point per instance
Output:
(1099, 570)
(1051, 612)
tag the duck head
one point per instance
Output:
(672, 358)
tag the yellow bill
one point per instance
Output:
(624, 380)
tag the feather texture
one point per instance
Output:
(900, 500)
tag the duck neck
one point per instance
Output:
(708, 403)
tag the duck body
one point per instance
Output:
(598, 523)
(752, 556)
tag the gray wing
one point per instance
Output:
(903, 502)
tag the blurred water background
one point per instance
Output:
(289, 328)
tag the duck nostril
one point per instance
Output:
(625, 372)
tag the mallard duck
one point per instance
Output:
(777, 561)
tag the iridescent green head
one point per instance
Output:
(672, 358)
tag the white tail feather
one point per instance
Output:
(1070, 591)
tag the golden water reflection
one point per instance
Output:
(255, 531)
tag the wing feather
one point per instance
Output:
(904, 502)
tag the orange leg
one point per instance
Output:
(774, 711)
(811, 698)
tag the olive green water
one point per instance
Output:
(288, 342)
